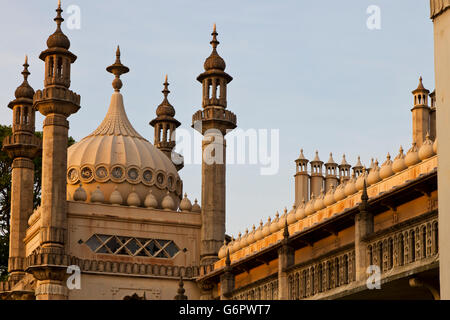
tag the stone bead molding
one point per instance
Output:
(102, 266)
(118, 173)
(437, 7)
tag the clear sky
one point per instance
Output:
(311, 69)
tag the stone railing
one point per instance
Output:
(414, 242)
(264, 290)
(323, 274)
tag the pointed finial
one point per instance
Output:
(59, 19)
(25, 71)
(363, 206)
(286, 231)
(388, 156)
(117, 69)
(214, 41)
(166, 87)
(228, 260)
(180, 292)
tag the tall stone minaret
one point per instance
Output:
(420, 114)
(56, 102)
(22, 147)
(213, 122)
(165, 125)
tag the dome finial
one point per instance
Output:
(25, 71)
(214, 41)
(166, 87)
(117, 69)
(59, 19)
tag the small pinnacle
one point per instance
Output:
(214, 41)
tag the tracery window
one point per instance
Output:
(118, 245)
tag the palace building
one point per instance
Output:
(113, 204)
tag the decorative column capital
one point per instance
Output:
(437, 7)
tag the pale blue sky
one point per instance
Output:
(309, 68)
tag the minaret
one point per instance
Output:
(56, 102)
(316, 176)
(165, 125)
(22, 146)
(213, 122)
(331, 174)
(420, 114)
(301, 179)
(344, 169)
(358, 168)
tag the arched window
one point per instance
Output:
(313, 279)
(345, 269)
(380, 255)
(424, 242)
(296, 287)
(435, 237)
(320, 278)
(336, 272)
(391, 253)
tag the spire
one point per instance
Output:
(25, 90)
(165, 108)
(117, 69)
(286, 231)
(214, 41)
(59, 19)
(58, 39)
(214, 61)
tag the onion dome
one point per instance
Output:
(266, 228)
(435, 146)
(350, 187)
(309, 208)
(196, 207)
(25, 90)
(185, 204)
(282, 220)
(399, 162)
(80, 194)
(329, 197)
(243, 243)
(214, 61)
(426, 150)
(300, 212)
(359, 184)
(339, 194)
(231, 245)
(274, 225)
(150, 200)
(97, 195)
(236, 244)
(412, 156)
(133, 199)
(374, 174)
(165, 108)
(116, 155)
(115, 197)
(168, 204)
(386, 168)
(251, 236)
(318, 204)
(291, 216)
(258, 233)
(223, 250)
(58, 39)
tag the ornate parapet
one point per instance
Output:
(55, 100)
(437, 7)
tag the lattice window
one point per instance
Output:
(129, 246)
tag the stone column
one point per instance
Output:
(285, 260)
(441, 21)
(363, 227)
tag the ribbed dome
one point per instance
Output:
(214, 61)
(58, 40)
(115, 155)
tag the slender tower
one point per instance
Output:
(301, 179)
(56, 102)
(165, 125)
(331, 173)
(420, 114)
(213, 122)
(344, 169)
(316, 176)
(22, 147)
